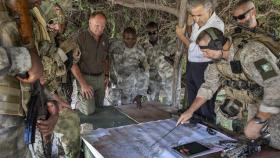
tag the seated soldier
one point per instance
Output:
(130, 68)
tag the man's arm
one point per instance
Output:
(205, 92)
(197, 103)
(87, 90)
(180, 32)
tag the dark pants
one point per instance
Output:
(195, 78)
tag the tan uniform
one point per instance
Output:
(254, 87)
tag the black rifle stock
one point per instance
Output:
(37, 110)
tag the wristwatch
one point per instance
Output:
(258, 120)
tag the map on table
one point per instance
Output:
(135, 141)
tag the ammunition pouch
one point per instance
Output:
(252, 88)
(231, 115)
(10, 96)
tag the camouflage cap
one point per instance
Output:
(53, 12)
(60, 19)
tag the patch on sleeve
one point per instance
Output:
(265, 69)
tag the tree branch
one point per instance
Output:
(146, 5)
(176, 87)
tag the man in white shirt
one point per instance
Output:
(202, 16)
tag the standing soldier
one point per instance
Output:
(53, 54)
(160, 70)
(249, 72)
(130, 67)
(12, 109)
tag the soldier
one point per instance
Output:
(66, 133)
(247, 69)
(130, 68)
(161, 70)
(12, 109)
(202, 16)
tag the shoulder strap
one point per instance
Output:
(261, 36)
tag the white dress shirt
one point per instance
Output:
(195, 54)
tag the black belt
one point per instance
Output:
(93, 74)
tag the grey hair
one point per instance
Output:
(207, 4)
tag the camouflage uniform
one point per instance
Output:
(249, 85)
(161, 71)
(130, 68)
(67, 132)
(11, 108)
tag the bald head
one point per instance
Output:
(97, 23)
(245, 13)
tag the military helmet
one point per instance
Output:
(217, 39)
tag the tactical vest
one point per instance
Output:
(271, 41)
(239, 89)
(10, 91)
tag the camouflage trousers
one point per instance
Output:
(65, 139)
(166, 86)
(11, 137)
(154, 90)
(155, 85)
(129, 87)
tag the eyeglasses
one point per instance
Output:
(152, 33)
(242, 16)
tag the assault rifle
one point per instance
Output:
(37, 110)
(242, 149)
(245, 148)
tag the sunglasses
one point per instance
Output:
(204, 47)
(152, 33)
(242, 16)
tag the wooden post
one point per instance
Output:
(176, 87)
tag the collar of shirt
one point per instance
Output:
(213, 21)
(100, 38)
(195, 54)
